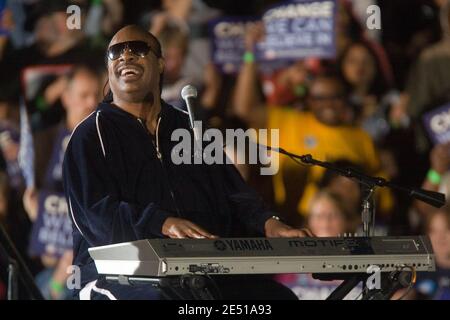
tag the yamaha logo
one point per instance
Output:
(243, 245)
(220, 245)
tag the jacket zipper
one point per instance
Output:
(159, 156)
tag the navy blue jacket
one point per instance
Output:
(119, 190)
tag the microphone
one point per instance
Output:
(189, 94)
(435, 199)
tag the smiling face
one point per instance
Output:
(325, 218)
(134, 78)
(327, 101)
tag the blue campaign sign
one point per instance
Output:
(437, 124)
(294, 30)
(227, 36)
(52, 231)
(299, 29)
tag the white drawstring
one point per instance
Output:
(157, 137)
(99, 134)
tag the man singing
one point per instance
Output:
(121, 184)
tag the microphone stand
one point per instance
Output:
(369, 184)
(17, 269)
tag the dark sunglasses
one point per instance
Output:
(327, 97)
(138, 48)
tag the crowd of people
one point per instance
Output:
(361, 109)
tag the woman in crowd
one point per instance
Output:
(328, 217)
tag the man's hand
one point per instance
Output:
(253, 34)
(277, 229)
(177, 228)
(159, 22)
(178, 9)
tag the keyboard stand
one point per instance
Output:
(391, 282)
(350, 281)
(186, 287)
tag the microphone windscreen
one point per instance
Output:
(188, 91)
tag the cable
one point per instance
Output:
(391, 277)
(411, 283)
(216, 287)
(199, 290)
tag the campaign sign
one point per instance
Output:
(299, 29)
(52, 231)
(437, 124)
(228, 47)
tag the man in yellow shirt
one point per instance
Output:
(324, 131)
